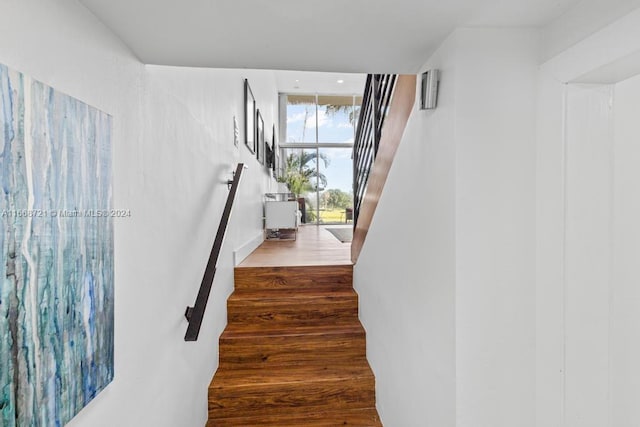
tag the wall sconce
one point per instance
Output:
(430, 81)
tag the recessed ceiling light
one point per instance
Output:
(340, 81)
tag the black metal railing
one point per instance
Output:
(375, 104)
(195, 314)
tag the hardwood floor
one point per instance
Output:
(314, 245)
(294, 352)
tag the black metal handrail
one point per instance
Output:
(195, 314)
(375, 104)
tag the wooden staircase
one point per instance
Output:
(293, 352)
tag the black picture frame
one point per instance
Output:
(268, 153)
(260, 148)
(249, 118)
(274, 148)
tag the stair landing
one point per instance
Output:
(314, 245)
(294, 351)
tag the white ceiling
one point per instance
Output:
(308, 82)
(314, 35)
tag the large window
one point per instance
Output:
(300, 119)
(318, 133)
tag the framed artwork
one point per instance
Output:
(249, 118)
(57, 290)
(268, 157)
(274, 147)
(260, 146)
(268, 153)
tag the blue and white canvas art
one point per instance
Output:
(56, 237)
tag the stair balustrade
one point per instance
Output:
(377, 97)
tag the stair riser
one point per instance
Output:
(294, 350)
(339, 277)
(291, 398)
(339, 310)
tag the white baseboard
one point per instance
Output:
(243, 251)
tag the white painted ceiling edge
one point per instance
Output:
(580, 21)
(610, 55)
(309, 82)
(363, 36)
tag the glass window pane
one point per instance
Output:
(336, 198)
(300, 175)
(301, 118)
(356, 114)
(335, 119)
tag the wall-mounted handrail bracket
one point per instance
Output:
(230, 181)
(195, 314)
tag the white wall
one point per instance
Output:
(625, 275)
(587, 255)
(588, 237)
(588, 241)
(495, 228)
(405, 275)
(461, 350)
(550, 208)
(542, 279)
(172, 152)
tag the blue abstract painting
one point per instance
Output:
(56, 238)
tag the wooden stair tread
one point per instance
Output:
(367, 417)
(291, 374)
(290, 389)
(295, 346)
(246, 331)
(260, 295)
(304, 268)
(309, 306)
(294, 277)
